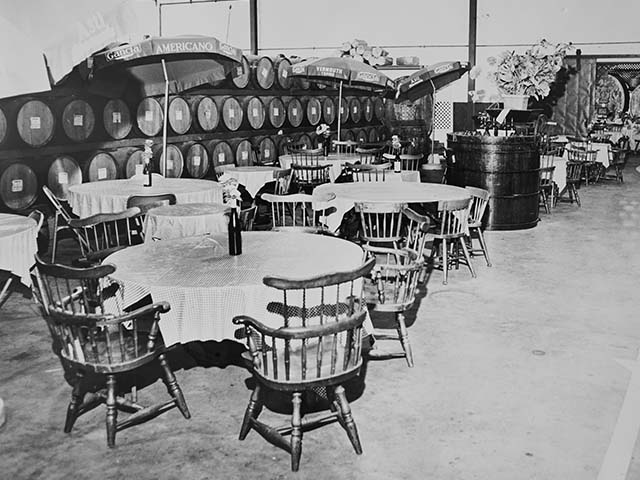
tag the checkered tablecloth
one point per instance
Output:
(17, 245)
(111, 196)
(206, 287)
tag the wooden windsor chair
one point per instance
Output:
(147, 202)
(96, 340)
(105, 233)
(61, 219)
(617, 164)
(307, 177)
(381, 222)
(453, 218)
(299, 212)
(477, 207)
(315, 351)
(345, 146)
(574, 178)
(369, 156)
(370, 172)
(391, 287)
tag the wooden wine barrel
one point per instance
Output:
(295, 113)
(314, 111)
(174, 164)
(78, 120)
(240, 78)
(367, 110)
(276, 111)
(383, 134)
(206, 114)
(328, 110)
(116, 118)
(281, 66)
(63, 172)
(3, 126)
(355, 110)
(268, 150)
(378, 109)
(135, 163)
(221, 153)
(255, 112)
(305, 139)
(18, 186)
(508, 167)
(101, 166)
(35, 123)
(362, 136)
(232, 113)
(373, 135)
(348, 135)
(179, 115)
(149, 116)
(344, 110)
(244, 155)
(263, 74)
(196, 159)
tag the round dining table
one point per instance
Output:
(185, 220)
(207, 287)
(347, 194)
(252, 177)
(18, 245)
(110, 196)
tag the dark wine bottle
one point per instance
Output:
(397, 164)
(235, 235)
(147, 171)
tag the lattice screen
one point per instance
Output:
(442, 120)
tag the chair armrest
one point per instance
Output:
(153, 309)
(250, 321)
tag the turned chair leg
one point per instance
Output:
(403, 335)
(296, 431)
(467, 256)
(55, 238)
(346, 419)
(172, 386)
(74, 405)
(112, 411)
(445, 262)
(251, 413)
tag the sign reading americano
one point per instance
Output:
(167, 47)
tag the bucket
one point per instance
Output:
(508, 167)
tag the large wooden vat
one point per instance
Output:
(328, 110)
(63, 172)
(508, 167)
(355, 110)
(179, 115)
(221, 153)
(281, 65)
(263, 74)
(78, 120)
(268, 150)
(35, 123)
(135, 163)
(243, 153)
(18, 186)
(116, 118)
(173, 165)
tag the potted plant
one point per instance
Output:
(519, 76)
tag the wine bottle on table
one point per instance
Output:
(235, 235)
(397, 164)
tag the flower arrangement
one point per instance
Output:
(230, 192)
(147, 153)
(323, 129)
(530, 73)
(396, 145)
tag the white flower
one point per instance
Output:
(475, 72)
(323, 129)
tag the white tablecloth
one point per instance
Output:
(18, 245)
(111, 195)
(253, 178)
(349, 193)
(206, 287)
(184, 220)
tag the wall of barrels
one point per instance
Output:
(69, 136)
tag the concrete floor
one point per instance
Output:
(521, 373)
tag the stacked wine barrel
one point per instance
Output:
(69, 136)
